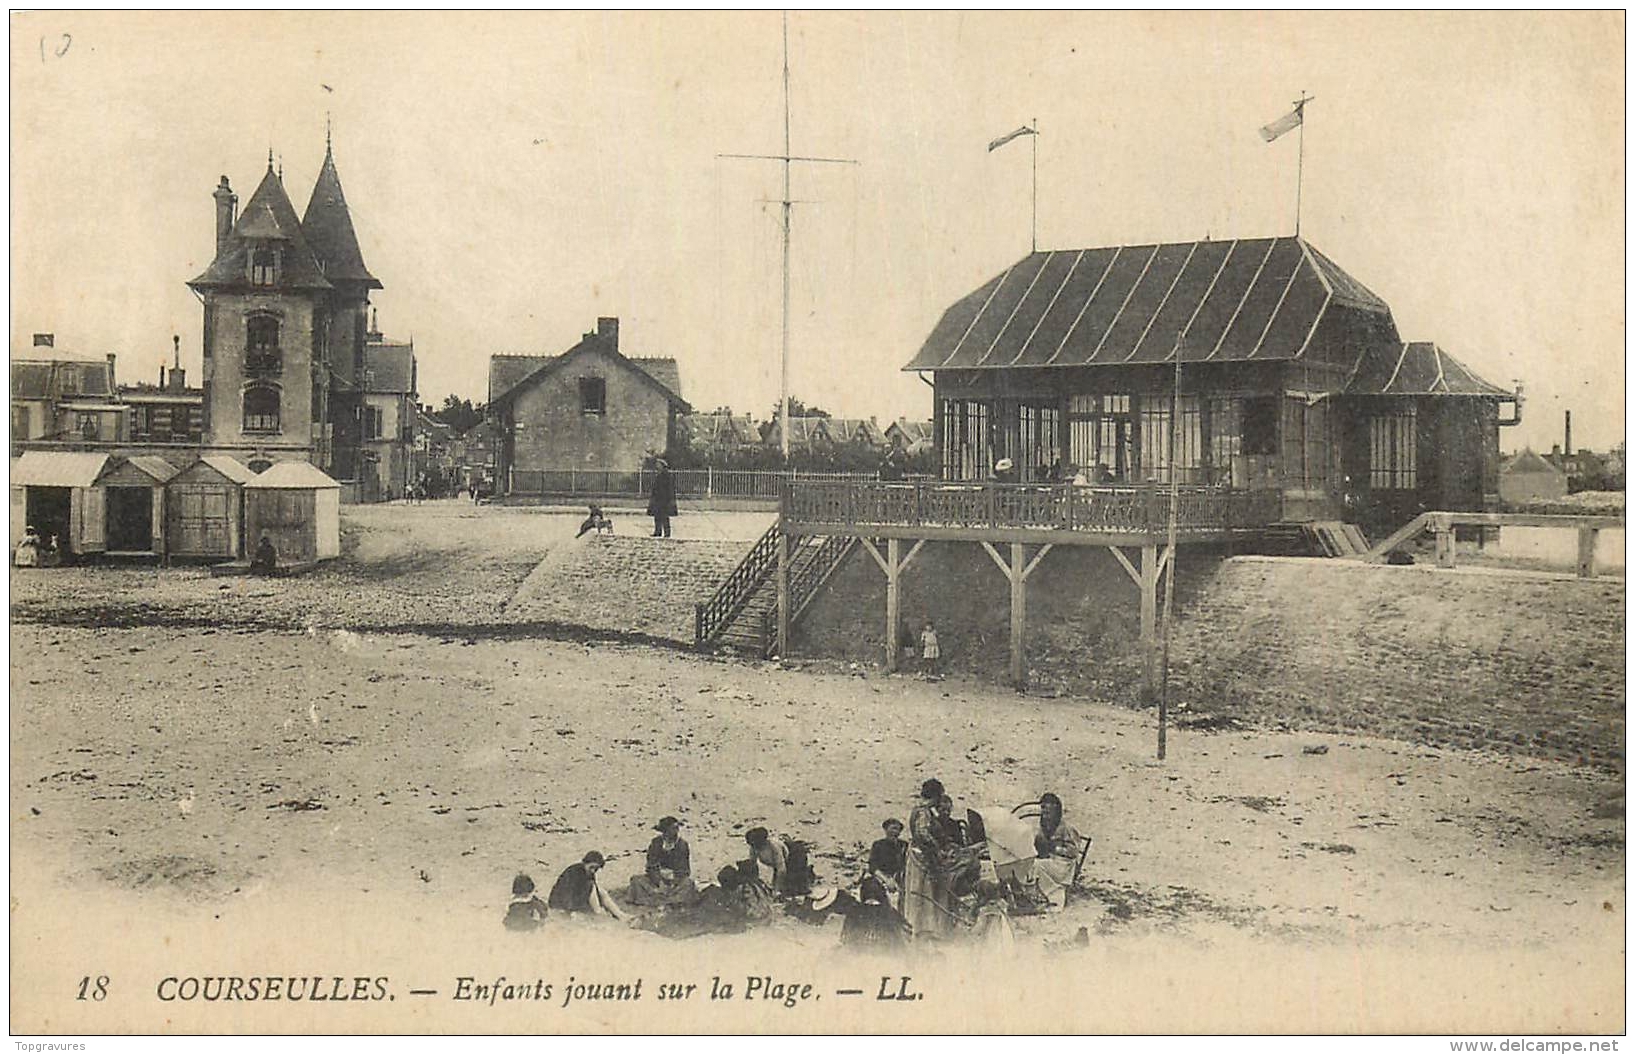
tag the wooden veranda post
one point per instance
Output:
(1149, 621)
(1019, 616)
(894, 620)
(892, 563)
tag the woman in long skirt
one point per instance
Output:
(924, 902)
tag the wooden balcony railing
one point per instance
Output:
(1118, 510)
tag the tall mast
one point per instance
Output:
(788, 207)
(788, 204)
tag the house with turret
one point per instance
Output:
(286, 301)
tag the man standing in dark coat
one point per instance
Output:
(661, 501)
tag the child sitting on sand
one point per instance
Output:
(526, 911)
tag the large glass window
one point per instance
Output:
(1226, 462)
(1101, 432)
(261, 409)
(1157, 455)
(1040, 429)
(1393, 457)
(965, 440)
(261, 343)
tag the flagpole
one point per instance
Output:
(1300, 164)
(1035, 145)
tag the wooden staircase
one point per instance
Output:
(1321, 538)
(743, 612)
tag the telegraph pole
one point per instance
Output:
(788, 204)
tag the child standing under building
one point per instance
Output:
(930, 652)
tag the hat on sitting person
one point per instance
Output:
(593, 858)
(1003, 464)
(823, 897)
(666, 823)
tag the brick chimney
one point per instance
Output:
(226, 213)
(607, 328)
(1567, 440)
(111, 374)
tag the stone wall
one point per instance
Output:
(553, 432)
(626, 583)
(1513, 662)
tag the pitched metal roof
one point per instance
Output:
(1528, 461)
(802, 430)
(505, 371)
(267, 216)
(1255, 298)
(231, 468)
(719, 428)
(57, 469)
(842, 430)
(290, 476)
(390, 367)
(153, 465)
(663, 369)
(508, 373)
(1416, 368)
(43, 379)
(327, 226)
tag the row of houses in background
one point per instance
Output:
(1530, 477)
(66, 402)
(594, 408)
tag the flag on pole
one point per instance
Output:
(1008, 136)
(1287, 123)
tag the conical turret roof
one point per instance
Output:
(328, 229)
(267, 217)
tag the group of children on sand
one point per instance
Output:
(740, 897)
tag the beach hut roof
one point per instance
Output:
(291, 476)
(57, 469)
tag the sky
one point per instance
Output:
(513, 176)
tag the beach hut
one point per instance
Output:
(204, 508)
(134, 499)
(298, 508)
(59, 493)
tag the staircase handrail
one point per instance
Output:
(713, 616)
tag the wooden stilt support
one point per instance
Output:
(1016, 572)
(1149, 621)
(893, 563)
(894, 622)
(1019, 617)
(1586, 552)
(783, 595)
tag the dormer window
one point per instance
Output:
(263, 267)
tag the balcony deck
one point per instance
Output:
(1025, 513)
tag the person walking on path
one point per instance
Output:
(661, 500)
